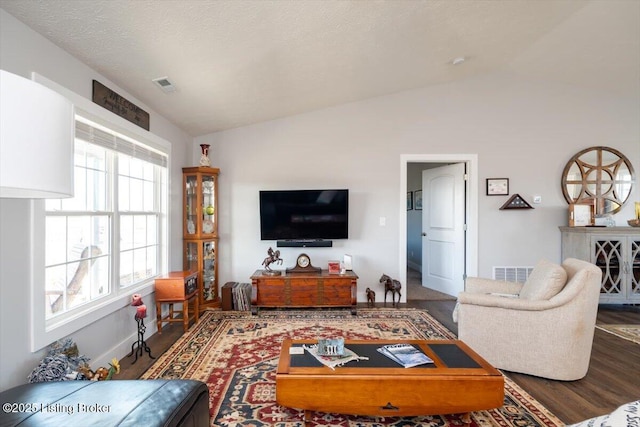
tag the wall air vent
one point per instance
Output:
(512, 274)
(164, 84)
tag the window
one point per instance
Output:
(107, 239)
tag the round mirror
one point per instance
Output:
(599, 175)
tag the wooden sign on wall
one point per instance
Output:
(105, 97)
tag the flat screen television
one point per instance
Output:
(304, 214)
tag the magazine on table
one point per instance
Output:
(405, 354)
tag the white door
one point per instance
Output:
(443, 217)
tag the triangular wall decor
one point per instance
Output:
(516, 202)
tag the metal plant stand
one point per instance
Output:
(140, 346)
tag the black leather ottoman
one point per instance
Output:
(138, 403)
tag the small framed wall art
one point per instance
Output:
(581, 214)
(497, 186)
(417, 199)
(409, 200)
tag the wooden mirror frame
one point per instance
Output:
(599, 181)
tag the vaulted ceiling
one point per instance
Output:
(235, 63)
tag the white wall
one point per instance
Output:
(523, 130)
(23, 51)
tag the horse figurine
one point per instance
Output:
(393, 286)
(274, 257)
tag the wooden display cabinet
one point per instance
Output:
(200, 230)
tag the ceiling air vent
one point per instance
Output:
(164, 84)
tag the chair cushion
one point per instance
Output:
(545, 281)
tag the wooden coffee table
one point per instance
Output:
(459, 381)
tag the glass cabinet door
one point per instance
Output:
(209, 273)
(608, 253)
(191, 256)
(635, 269)
(208, 204)
(200, 216)
(191, 202)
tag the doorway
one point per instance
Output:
(408, 262)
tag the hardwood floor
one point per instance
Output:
(613, 377)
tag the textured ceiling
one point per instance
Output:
(236, 63)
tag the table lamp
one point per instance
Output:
(36, 140)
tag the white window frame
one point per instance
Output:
(45, 332)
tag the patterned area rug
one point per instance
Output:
(236, 354)
(628, 332)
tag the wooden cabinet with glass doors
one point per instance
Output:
(200, 230)
(616, 251)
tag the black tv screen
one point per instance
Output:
(304, 214)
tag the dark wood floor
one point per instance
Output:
(613, 377)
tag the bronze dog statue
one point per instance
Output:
(371, 298)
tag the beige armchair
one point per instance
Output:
(544, 327)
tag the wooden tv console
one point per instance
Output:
(315, 289)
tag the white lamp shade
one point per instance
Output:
(36, 140)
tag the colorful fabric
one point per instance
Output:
(237, 354)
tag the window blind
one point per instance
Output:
(93, 135)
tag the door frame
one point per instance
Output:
(471, 207)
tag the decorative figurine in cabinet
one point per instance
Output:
(202, 256)
(200, 230)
